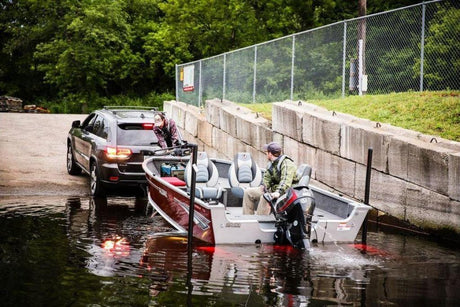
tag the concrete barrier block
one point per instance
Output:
(191, 122)
(455, 216)
(259, 157)
(398, 155)
(420, 197)
(291, 149)
(178, 113)
(335, 172)
(205, 131)
(227, 121)
(212, 110)
(307, 154)
(356, 140)
(322, 132)
(415, 135)
(429, 209)
(301, 153)
(428, 166)
(264, 136)
(276, 137)
(238, 146)
(199, 143)
(219, 139)
(245, 130)
(186, 135)
(386, 193)
(287, 120)
(229, 145)
(167, 107)
(454, 176)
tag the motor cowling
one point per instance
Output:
(293, 212)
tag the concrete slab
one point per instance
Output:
(287, 120)
(387, 193)
(322, 132)
(357, 139)
(454, 176)
(428, 166)
(336, 172)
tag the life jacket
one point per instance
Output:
(278, 166)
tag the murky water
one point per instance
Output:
(58, 251)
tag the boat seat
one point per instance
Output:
(303, 175)
(174, 181)
(207, 177)
(243, 173)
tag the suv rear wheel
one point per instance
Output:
(95, 183)
(72, 167)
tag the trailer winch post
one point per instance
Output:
(194, 148)
(366, 193)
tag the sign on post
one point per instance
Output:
(189, 73)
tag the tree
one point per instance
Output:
(92, 52)
(24, 24)
(442, 49)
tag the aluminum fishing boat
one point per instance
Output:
(218, 216)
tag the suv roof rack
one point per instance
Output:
(133, 108)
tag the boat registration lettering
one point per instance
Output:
(344, 227)
(233, 225)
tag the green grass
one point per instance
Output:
(433, 113)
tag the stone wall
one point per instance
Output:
(415, 177)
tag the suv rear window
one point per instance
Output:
(135, 134)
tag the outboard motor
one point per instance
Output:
(293, 212)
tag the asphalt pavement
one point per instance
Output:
(33, 155)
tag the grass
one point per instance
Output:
(433, 113)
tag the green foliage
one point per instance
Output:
(72, 103)
(73, 56)
(94, 52)
(442, 49)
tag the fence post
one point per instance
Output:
(344, 57)
(200, 91)
(224, 76)
(360, 67)
(255, 76)
(177, 84)
(422, 47)
(292, 67)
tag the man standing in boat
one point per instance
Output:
(279, 176)
(166, 131)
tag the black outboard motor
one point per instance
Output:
(293, 212)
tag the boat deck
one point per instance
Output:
(235, 214)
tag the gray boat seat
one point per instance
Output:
(207, 177)
(243, 173)
(303, 175)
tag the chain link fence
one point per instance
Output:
(416, 48)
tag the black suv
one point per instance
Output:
(110, 146)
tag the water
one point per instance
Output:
(58, 251)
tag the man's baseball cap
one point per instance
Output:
(273, 148)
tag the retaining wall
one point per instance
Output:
(415, 177)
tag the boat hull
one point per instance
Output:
(335, 219)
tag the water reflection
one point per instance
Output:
(84, 251)
(110, 230)
(264, 274)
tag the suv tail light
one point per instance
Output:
(147, 126)
(118, 153)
